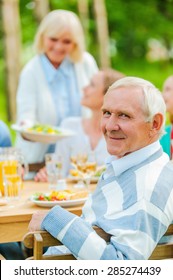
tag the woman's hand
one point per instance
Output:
(41, 175)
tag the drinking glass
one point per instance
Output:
(54, 169)
(77, 158)
(86, 169)
(11, 156)
(12, 180)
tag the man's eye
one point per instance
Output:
(106, 113)
(124, 116)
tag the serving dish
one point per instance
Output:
(40, 136)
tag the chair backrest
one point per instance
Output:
(40, 239)
(165, 250)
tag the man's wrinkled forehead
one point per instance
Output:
(124, 98)
(136, 91)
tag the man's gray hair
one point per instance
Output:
(153, 99)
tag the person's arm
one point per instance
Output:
(130, 231)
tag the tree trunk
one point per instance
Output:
(41, 9)
(11, 26)
(103, 33)
(83, 9)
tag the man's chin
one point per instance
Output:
(114, 152)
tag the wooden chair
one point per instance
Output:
(39, 239)
(164, 251)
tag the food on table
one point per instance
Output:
(74, 172)
(98, 172)
(43, 128)
(60, 195)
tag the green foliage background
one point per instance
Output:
(131, 24)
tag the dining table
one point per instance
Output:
(16, 215)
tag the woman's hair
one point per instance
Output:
(56, 23)
(153, 99)
(110, 76)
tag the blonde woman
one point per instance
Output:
(50, 85)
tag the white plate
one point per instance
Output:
(40, 136)
(63, 203)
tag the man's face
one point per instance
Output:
(124, 121)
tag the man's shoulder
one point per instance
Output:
(169, 166)
(163, 170)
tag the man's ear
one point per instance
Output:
(157, 122)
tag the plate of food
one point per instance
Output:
(74, 175)
(42, 132)
(64, 198)
(74, 179)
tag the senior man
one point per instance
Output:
(133, 198)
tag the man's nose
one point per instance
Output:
(112, 123)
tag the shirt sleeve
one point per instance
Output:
(74, 233)
(129, 234)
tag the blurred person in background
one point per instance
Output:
(5, 137)
(167, 138)
(88, 135)
(51, 83)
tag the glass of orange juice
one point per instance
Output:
(12, 179)
(10, 157)
(11, 167)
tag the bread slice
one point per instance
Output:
(78, 195)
